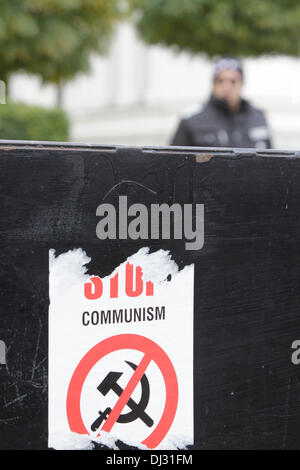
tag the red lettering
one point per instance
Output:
(149, 288)
(94, 289)
(129, 289)
(114, 286)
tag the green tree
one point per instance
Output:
(53, 38)
(220, 27)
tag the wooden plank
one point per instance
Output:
(246, 307)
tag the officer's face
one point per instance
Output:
(228, 86)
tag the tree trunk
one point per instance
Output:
(4, 89)
(59, 95)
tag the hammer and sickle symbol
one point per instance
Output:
(137, 409)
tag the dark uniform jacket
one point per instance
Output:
(217, 126)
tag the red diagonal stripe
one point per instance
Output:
(126, 394)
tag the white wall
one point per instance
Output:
(136, 93)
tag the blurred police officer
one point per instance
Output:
(226, 120)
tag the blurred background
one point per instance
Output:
(125, 71)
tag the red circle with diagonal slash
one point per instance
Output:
(153, 352)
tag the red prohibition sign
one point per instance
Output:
(152, 352)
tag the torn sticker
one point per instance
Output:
(120, 353)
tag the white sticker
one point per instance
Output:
(121, 353)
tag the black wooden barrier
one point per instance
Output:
(247, 277)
